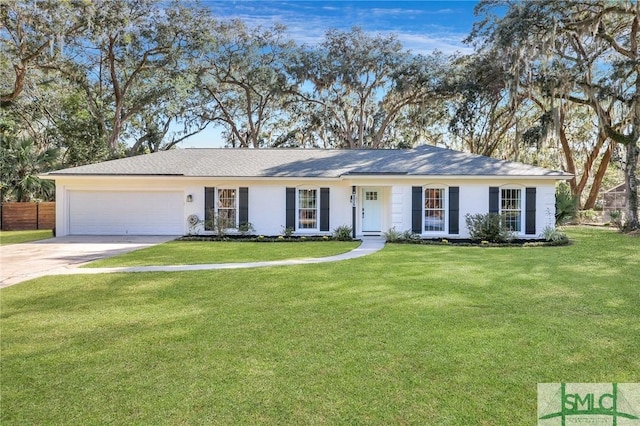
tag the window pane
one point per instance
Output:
(227, 198)
(307, 208)
(512, 221)
(307, 198)
(434, 213)
(307, 219)
(227, 208)
(511, 202)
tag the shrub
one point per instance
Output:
(409, 235)
(488, 227)
(587, 216)
(342, 233)
(246, 228)
(617, 218)
(393, 235)
(217, 224)
(287, 232)
(566, 204)
(552, 234)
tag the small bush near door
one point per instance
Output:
(343, 233)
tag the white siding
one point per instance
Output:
(474, 199)
(546, 208)
(157, 205)
(398, 210)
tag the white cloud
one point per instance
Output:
(427, 43)
(305, 27)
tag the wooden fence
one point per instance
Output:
(28, 216)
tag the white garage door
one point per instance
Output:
(125, 213)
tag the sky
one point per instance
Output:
(421, 25)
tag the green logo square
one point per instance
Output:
(616, 404)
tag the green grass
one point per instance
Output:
(15, 237)
(410, 335)
(201, 252)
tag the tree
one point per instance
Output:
(584, 53)
(569, 128)
(41, 106)
(172, 119)
(135, 59)
(33, 35)
(484, 112)
(21, 162)
(76, 132)
(361, 84)
(245, 85)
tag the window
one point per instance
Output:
(434, 209)
(227, 208)
(511, 208)
(307, 209)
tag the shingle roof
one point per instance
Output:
(425, 160)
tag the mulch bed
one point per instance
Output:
(427, 241)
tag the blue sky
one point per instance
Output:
(421, 26)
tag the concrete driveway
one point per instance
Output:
(21, 262)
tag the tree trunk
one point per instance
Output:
(591, 158)
(631, 180)
(568, 154)
(597, 180)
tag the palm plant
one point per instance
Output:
(566, 204)
(21, 161)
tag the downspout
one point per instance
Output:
(353, 212)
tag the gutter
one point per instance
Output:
(345, 177)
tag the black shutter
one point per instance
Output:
(324, 209)
(494, 197)
(530, 212)
(209, 207)
(416, 209)
(291, 208)
(243, 214)
(454, 209)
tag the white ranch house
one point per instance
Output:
(428, 190)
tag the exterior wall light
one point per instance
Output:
(189, 198)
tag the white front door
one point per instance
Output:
(371, 210)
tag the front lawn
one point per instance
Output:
(15, 237)
(201, 252)
(410, 335)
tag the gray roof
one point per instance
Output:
(424, 160)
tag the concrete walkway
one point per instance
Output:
(369, 245)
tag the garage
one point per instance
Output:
(125, 213)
